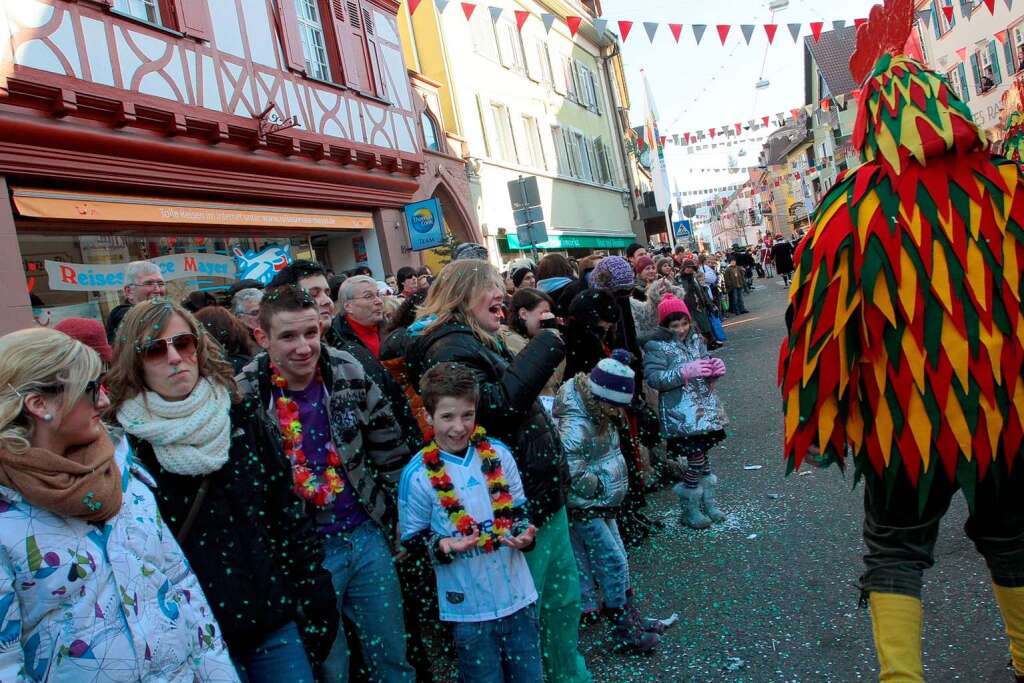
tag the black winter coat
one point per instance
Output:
(782, 255)
(252, 546)
(508, 407)
(344, 338)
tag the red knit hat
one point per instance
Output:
(642, 263)
(88, 331)
(669, 305)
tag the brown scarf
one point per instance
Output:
(85, 482)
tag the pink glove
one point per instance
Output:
(695, 369)
(717, 367)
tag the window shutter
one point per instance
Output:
(595, 88)
(965, 92)
(532, 57)
(291, 40)
(976, 70)
(558, 80)
(569, 72)
(373, 52)
(482, 110)
(993, 50)
(348, 32)
(936, 19)
(558, 137)
(193, 18)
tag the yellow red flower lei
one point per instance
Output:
(321, 492)
(497, 487)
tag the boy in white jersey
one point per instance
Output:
(462, 498)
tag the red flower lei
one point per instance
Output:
(308, 486)
(497, 487)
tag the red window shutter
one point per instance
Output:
(291, 39)
(351, 39)
(373, 51)
(193, 18)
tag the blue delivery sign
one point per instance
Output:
(425, 224)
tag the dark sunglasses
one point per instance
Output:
(93, 388)
(185, 344)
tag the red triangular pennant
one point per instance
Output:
(712, 131)
(991, 4)
(723, 31)
(826, 104)
(857, 22)
(574, 24)
(795, 113)
(948, 11)
(521, 17)
(624, 28)
(676, 29)
(1001, 37)
(413, 4)
(662, 140)
(764, 121)
(739, 127)
(770, 29)
(687, 136)
(816, 27)
(962, 54)
(468, 9)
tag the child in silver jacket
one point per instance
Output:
(693, 420)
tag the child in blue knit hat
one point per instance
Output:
(590, 410)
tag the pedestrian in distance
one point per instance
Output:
(782, 257)
(590, 412)
(734, 281)
(225, 489)
(693, 419)
(93, 585)
(475, 534)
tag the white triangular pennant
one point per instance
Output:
(794, 30)
(652, 28)
(440, 4)
(548, 20)
(495, 12)
(698, 31)
(925, 17)
(838, 24)
(1009, 5)
(601, 25)
(748, 31)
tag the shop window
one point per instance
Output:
(335, 41)
(431, 133)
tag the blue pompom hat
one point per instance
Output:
(612, 380)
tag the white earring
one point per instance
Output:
(47, 418)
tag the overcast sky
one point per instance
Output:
(700, 87)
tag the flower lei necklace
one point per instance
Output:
(310, 487)
(497, 487)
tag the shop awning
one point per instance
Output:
(556, 242)
(112, 208)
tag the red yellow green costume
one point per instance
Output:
(906, 337)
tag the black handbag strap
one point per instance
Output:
(193, 511)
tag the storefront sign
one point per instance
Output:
(264, 264)
(425, 224)
(56, 204)
(94, 277)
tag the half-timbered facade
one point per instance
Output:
(214, 136)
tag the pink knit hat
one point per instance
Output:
(89, 332)
(642, 263)
(669, 305)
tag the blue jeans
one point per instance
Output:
(600, 556)
(736, 305)
(281, 657)
(366, 584)
(505, 650)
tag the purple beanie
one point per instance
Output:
(612, 272)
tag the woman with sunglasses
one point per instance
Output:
(225, 489)
(93, 585)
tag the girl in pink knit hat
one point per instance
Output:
(677, 365)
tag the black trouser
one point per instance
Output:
(901, 540)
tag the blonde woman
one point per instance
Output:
(459, 322)
(93, 586)
(225, 489)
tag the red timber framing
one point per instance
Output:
(195, 107)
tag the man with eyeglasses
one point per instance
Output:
(143, 281)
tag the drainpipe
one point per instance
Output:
(623, 155)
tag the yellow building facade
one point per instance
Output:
(531, 102)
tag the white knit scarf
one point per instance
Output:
(190, 437)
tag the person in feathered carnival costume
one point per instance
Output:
(906, 339)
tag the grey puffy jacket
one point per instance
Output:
(597, 469)
(687, 408)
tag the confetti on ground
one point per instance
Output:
(753, 467)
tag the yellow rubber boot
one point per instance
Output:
(1011, 604)
(896, 623)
